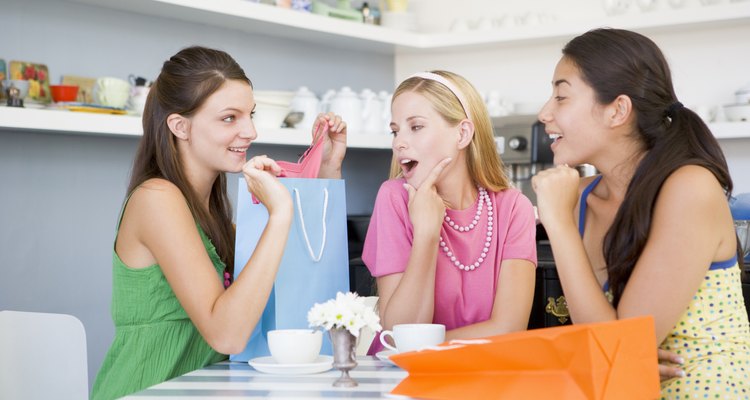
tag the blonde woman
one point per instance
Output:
(449, 241)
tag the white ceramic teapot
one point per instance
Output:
(372, 111)
(325, 100)
(386, 98)
(306, 102)
(496, 106)
(347, 104)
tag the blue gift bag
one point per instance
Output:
(315, 264)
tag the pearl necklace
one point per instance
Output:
(483, 198)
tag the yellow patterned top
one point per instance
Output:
(713, 337)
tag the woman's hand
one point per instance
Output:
(556, 193)
(426, 207)
(334, 147)
(667, 362)
(260, 174)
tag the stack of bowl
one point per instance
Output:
(740, 110)
(271, 107)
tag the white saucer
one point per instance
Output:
(270, 366)
(385, 355)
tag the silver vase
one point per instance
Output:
(344, 356)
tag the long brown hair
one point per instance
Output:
(618, 62)
(485, 167)
(186, 80)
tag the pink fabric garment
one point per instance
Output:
(309, 162)
(461, 297)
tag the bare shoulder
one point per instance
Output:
(157, 199)
(692, 193)
(155, 186)
(156, 214)
(692, 184)
(156, 190)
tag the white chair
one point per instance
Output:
(42, 356)
(366, 335)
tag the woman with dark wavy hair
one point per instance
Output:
(652, 234)
(172, 303)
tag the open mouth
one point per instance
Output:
(238, 149)
(408, 165)
(555, 136)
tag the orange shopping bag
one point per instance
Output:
(610, 360)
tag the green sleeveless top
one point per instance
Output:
(154, 337)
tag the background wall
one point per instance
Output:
(708, 64)
(61, 194)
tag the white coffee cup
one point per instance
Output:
(295, 346)
(410, 337)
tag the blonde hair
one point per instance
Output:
(485, 166)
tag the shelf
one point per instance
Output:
(60, 121)
(732, 14)
(730, 130)
(246, 16)
(68, 122)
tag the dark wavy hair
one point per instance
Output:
(186, 80)
(617, 62)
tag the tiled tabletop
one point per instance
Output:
(234, 379)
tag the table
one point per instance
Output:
(234, 379)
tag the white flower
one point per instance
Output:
(348, 311)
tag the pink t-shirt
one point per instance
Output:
(461, 297)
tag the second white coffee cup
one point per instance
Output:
(295, 346)
(410, 337)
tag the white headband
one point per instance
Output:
(445, 82)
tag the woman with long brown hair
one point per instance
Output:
(652, 234)
(172, 303)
